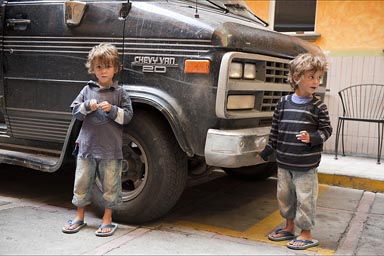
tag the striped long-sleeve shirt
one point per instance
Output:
(288, 120)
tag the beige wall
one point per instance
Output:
(343, 25)
(350, 25)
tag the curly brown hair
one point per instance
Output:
(105, 54)
(302, 63)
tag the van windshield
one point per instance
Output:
(235, 7)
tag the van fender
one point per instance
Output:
(167, 106)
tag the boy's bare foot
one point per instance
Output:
(301, 244)
(281, 235)
(303, 241)
(297, 241)
(304, 235)
(106, 230)
(73, 226)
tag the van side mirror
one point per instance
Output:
(74, 12)
(124, 11)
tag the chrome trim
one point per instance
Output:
(82, 45)
(225, 85)
(235, 148)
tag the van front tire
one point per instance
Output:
(154, 171)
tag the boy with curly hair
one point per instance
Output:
(104, 107)
(300, 126)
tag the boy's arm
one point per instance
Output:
(325, 129)
(272, 141)
(80, 107)
(122, 114)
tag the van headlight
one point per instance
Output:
(236, 70)
(249, 71)
(240, 102)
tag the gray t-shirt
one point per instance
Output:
(101, 133)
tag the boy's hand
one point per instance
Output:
(303, 136)
(105, 106)
(93, 104)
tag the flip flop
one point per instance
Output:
(286, 235)
(307, 244)
(80, 224)
(112, 225)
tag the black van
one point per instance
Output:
(204, 78)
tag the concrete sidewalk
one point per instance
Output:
(352, 172)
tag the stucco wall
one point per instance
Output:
(343, 25)
(350, 25)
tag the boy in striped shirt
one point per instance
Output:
(300, 126)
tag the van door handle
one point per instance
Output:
(2, 105)
(18, 24)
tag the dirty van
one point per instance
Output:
(204, 78)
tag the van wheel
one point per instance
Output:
(154, 171)
(256, 172)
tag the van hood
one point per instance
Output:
(235, 7)
(226, 30)
(248, 39)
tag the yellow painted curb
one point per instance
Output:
(351, 182)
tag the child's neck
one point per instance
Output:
(298, 94)
(105, 85)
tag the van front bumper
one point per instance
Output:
(235, 148)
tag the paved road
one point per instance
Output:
(223, 216)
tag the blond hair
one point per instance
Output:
(302, 63)
(104, 54)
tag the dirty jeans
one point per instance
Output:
(109, 172)
(297, 196)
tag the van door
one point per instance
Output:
(45, 47)
(2, 122)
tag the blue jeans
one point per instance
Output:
(109, 172)
(297, 196)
